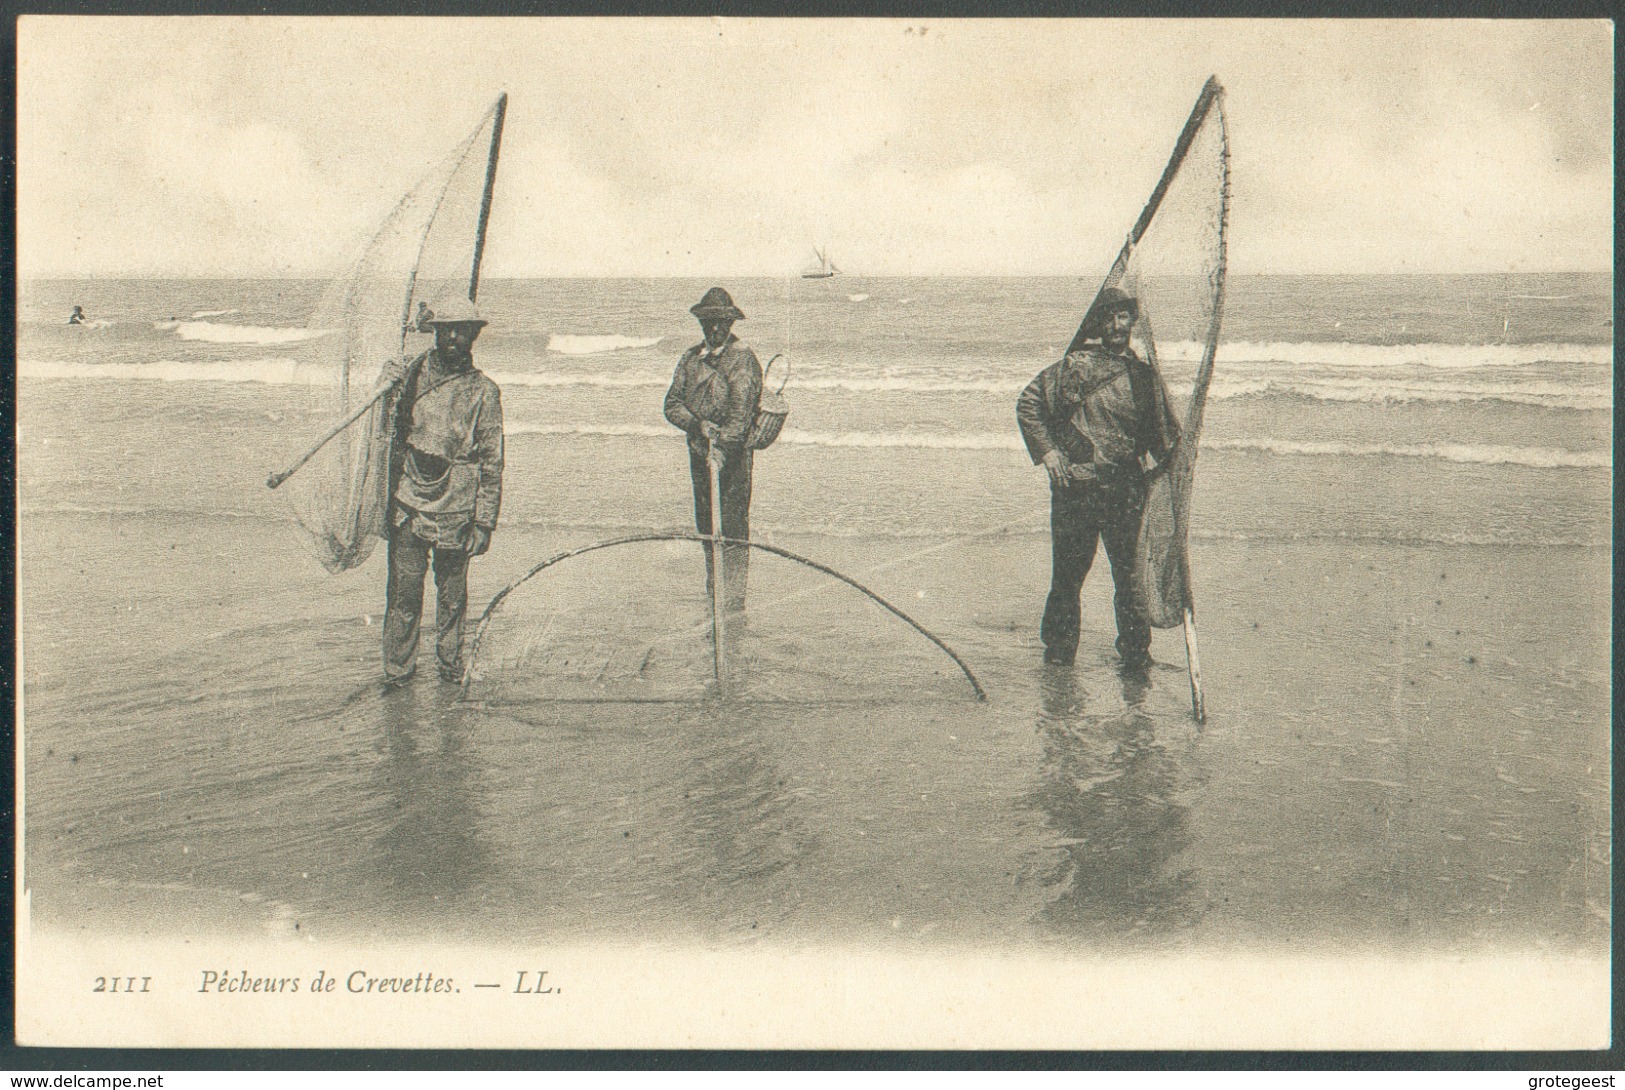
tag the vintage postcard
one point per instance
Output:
(766, 533)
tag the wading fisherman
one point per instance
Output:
(446, 473)
(1090, 420)
(714, 397)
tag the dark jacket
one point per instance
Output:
(1102, 411)
(725, 388)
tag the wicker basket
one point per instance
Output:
(770, 416)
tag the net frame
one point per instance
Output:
(1162, 581)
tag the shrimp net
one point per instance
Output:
(427, 250)
(629, 621)
(1174, 265)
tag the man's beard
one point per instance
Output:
(1116, 342)
(457, 359)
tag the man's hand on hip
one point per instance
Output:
(479, 540)
(1055, 464)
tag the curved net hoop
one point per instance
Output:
(1174, 265)
(628, 620)
(425, 250)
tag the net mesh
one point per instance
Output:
(423, 253)
(631, 622)
(1176, 272)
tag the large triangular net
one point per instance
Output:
(1176, 271)
(426, 251)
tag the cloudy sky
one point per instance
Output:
(259, 146)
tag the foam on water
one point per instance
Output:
(225, 333)
(1453, 357)
(570, 344)
(1535, 457)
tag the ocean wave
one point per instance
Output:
(907, 385)
(225, 333)
(1538, 457)
(857, 298)
(272, 371)
(1471, 453)
(214, 313)
(550, 379)
(569, 344)
(790, 436)
(1452, 357)
(1536, 393)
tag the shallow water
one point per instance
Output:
(236, 741)
(1401, 562)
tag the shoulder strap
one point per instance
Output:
(1105, 379)
(1145, 402)
(445, 381)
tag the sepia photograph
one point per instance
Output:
(765, 533)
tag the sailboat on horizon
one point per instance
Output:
(822, 268)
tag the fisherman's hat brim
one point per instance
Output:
(717, 304)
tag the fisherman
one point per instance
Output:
(714, 397)
(446, 477)
(77, 317)
(1090, 420)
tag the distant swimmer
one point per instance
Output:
(77, 317)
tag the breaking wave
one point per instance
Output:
(225, 333)
(1454, 357)
(1538, 457)
(569, 344)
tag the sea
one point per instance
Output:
(1400, 558)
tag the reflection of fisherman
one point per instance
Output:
(77, 317)
(1090, 420)
(714, 397)
(446, 468)
(1115, 793)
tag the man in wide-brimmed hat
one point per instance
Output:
(446, 487)
(1091, 420)
(714, 397)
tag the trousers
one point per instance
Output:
(1082, 516)
(735, 495)
(409, 557)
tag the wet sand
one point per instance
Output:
(1402, 753)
